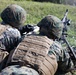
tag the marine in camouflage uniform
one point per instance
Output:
(55, 28)
(42, 57)
(11, 29)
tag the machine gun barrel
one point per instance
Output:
(65, 16)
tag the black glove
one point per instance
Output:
(29, 28)
(26, 28)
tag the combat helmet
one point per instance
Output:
(14, 15)
(18, 70)
(52, 24)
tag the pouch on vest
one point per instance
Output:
(33, 51)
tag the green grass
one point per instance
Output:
(36, 11)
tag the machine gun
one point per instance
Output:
(64, 34)
(65, 21)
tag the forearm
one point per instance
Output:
(63, 58)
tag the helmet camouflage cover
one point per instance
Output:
(52, 24)
(14, 15)
(18, 70)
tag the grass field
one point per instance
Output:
(36, 11)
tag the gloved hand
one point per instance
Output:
(26, 28)
(29, 28)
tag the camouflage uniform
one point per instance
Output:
(18, 70)
(11, 29)
(54, 27)
(51, 27)
(13, 16)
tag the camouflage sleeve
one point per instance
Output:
(10, 39)
(18, 70)
(63, 59)
(57, 51)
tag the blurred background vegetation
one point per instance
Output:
(37, 9)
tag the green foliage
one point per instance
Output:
(22, 0)
(53, 1)
(18, 0)
(72, 37)
(37, 10)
